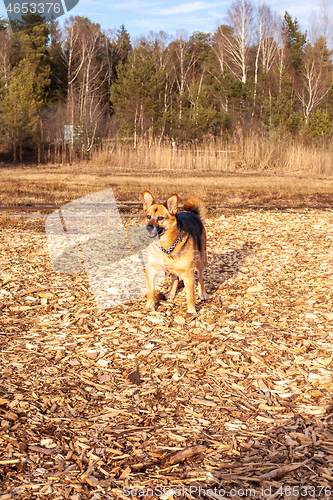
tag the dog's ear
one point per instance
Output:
(148, 200)
(172, 204)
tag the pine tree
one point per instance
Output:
(56, 90)
(31, 39)
(19, 108)
(136, 96)
(123, 45)
(295, 41)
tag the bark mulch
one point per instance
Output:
(124, 403)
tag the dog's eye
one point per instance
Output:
(148, 217)
(160, 217)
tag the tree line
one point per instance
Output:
(82, 85)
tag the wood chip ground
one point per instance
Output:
(124, 403)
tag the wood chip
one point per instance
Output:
(93, 402)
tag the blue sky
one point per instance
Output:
(141, 16)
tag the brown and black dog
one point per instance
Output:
(181, 249)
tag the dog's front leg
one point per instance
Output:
(151, 276)
(189, 286)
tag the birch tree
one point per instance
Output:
(111, 51)
(73, 56)
(94, 73)
(241, 20)
(161, 45)
(281, 55)
(219, 46)
(5, 49)
(322, 25)
(316, 77)
(266, 31)
(272, 28)
(182, 65)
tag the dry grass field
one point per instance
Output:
(59, 184)
(245, 171)
(120, 403)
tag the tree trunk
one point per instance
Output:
(14, 151)
(256, 80)
(135, 126)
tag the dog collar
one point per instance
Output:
(169, 250)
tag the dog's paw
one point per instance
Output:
(150, 306)
(159, 296)
(204, 296)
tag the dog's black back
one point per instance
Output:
(193, 224)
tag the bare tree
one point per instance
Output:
(94, 74)
(281, 54)
(194, 97)
(240, 18)
(185, 60)
(260, 36)
(88, 60)
(272, 28)
(111, 51)
(316, 77)
(161, 44)
(321, 25)
(5, 49)
(221, 36)
(220, 42)
(72, 56)
(266, 31)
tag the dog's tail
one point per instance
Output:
(195, 206)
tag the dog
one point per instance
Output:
(181, 247)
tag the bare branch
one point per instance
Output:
(240, 18)
(316, 77)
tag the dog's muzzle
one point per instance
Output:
(154, 231)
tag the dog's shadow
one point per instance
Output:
(220, 268)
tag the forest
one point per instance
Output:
(85, 88)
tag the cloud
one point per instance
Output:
(190, 23)
(153, 9)
(139, 6)
(155, 15)
(300, 9)
(184, 8)
(141, 16)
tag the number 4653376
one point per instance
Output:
(24, 8)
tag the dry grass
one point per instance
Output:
(252, 153)
(251, 171)
(12, 222)
(22, 186)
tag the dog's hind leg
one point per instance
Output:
(202, 291)
(174, 285)
(202, 262)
